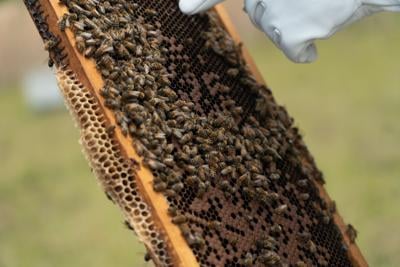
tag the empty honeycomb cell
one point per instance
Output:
(101, 159)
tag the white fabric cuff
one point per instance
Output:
(191, 7)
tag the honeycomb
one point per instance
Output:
(115, 174)
(239, 181)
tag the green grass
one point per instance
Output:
(52, 212)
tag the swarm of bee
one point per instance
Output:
(240, 183)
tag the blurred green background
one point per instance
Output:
(52, 212)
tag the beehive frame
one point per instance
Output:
(354, 251)
(76, 73)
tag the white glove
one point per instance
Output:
(294, 25)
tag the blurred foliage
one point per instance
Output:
(52, 212)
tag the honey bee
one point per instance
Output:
(172, 211)
(275, 176)
(281, 209)
(266, 242)
(79, 10)
(177, 133)
(186, 138)
(169, 161)
(224, 185)
(270, 258)
(151, 12)
(179, 219)
(197, 161)
(89, 51)
(129, 45)
(264, 197)
(106, 60)
(51, 43)
(50, 62)
(201, 59)
(326, 217)
(192, 180)
(301, 264)
(260, 180)
(195, 241)
(303, 237)
(248, 192)
(168, 148)
(237, 111)
(227, 170)
(311, 246)
(351, 233)
(273, 152)
(302, 183)
(304, 196)
(234, 241)
(147, 257)
(244, 179)
(64, 22)
(276, 229)
(233, 72)
(214, 225)
(248, 132)
(189, 41)
(114, 75)
(139, 50)
(185, 230)
(248, 260)
(108, 195)
(332, 207)
(190, 169)
(154, 164)
(128, 226)
(323, 262)
(169, 193)
(202, 188)
(160, 187)
(112, 103)
(79, 25)
(178, 187)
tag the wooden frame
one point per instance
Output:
(88, 75)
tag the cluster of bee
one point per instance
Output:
(52, 42)
(217, 41)
(188, 150)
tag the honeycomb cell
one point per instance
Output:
(112, 179)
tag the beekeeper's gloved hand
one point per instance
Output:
(294, 25)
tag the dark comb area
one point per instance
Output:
(241, 184)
